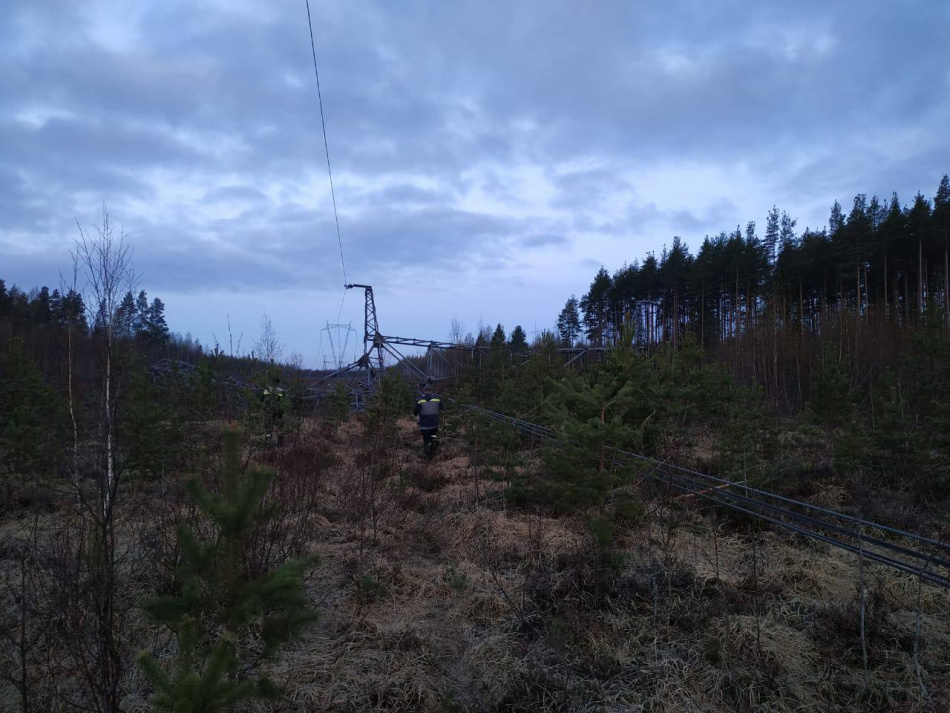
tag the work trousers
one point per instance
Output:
(430, 441)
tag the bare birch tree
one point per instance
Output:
(457, 331)
(268, 348)
(106, 259)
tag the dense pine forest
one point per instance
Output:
(882, 260)
(846, 325)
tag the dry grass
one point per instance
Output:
(482, 607)
(434, 600)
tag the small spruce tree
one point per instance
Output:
(338, 404)
(219, 610)
(749, 447)
(590, 414)
(30, 421)
(899, 451)
(830, 388)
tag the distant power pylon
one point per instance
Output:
(338, 336)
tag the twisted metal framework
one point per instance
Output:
(366, 372)
(912, 554)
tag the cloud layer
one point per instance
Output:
(474, 144)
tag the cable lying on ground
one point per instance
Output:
(755, 502)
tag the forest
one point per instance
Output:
(882, 258)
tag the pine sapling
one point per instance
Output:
(225, 619)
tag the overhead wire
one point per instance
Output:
(326, 148)
(685, 477)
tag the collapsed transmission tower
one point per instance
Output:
(372, 340)
(366, 372)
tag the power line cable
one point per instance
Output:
(697, 484)
(326, 148)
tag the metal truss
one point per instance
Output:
(362, 377)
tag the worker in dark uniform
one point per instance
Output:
(273, 398)
(427, 409)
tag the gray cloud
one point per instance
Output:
(407, 194)
(464, 136)
(270, 250)
(545, 241)
(245, 194)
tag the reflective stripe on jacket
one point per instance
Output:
(427, 409)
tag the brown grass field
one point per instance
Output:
(435, 596)
(452, 605)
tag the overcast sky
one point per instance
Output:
(488, 156)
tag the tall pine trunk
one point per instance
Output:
(736, 308)
(906, 299)
(702, 314)
(801, 309)
(886, 310)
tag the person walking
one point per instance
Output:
(427, 409)
(273, 398)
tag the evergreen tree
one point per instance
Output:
(69, 309)
(786, 235)
(674, 273)
(157, 329)
(55, 305)
(830, 388)
(387, 405)
(338, 405)
(19, 304)
(151, 425)
(29, 419)
(747, 449)
(941, 233)
(594, 413)
(6, 303)
(569, 322)
(898, 453)
(625, 296)
(40, 307)
(125, 317)
(919, 231)
(518, 343)
(218, 602)
(892, 231)
(771, 239)
(590, 417)
(498, 339)
(140, 325)
(836, 220)
(596, 308)
(484, 336)
(942, 198)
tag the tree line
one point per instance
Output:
(882, 258)
(136, 317)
